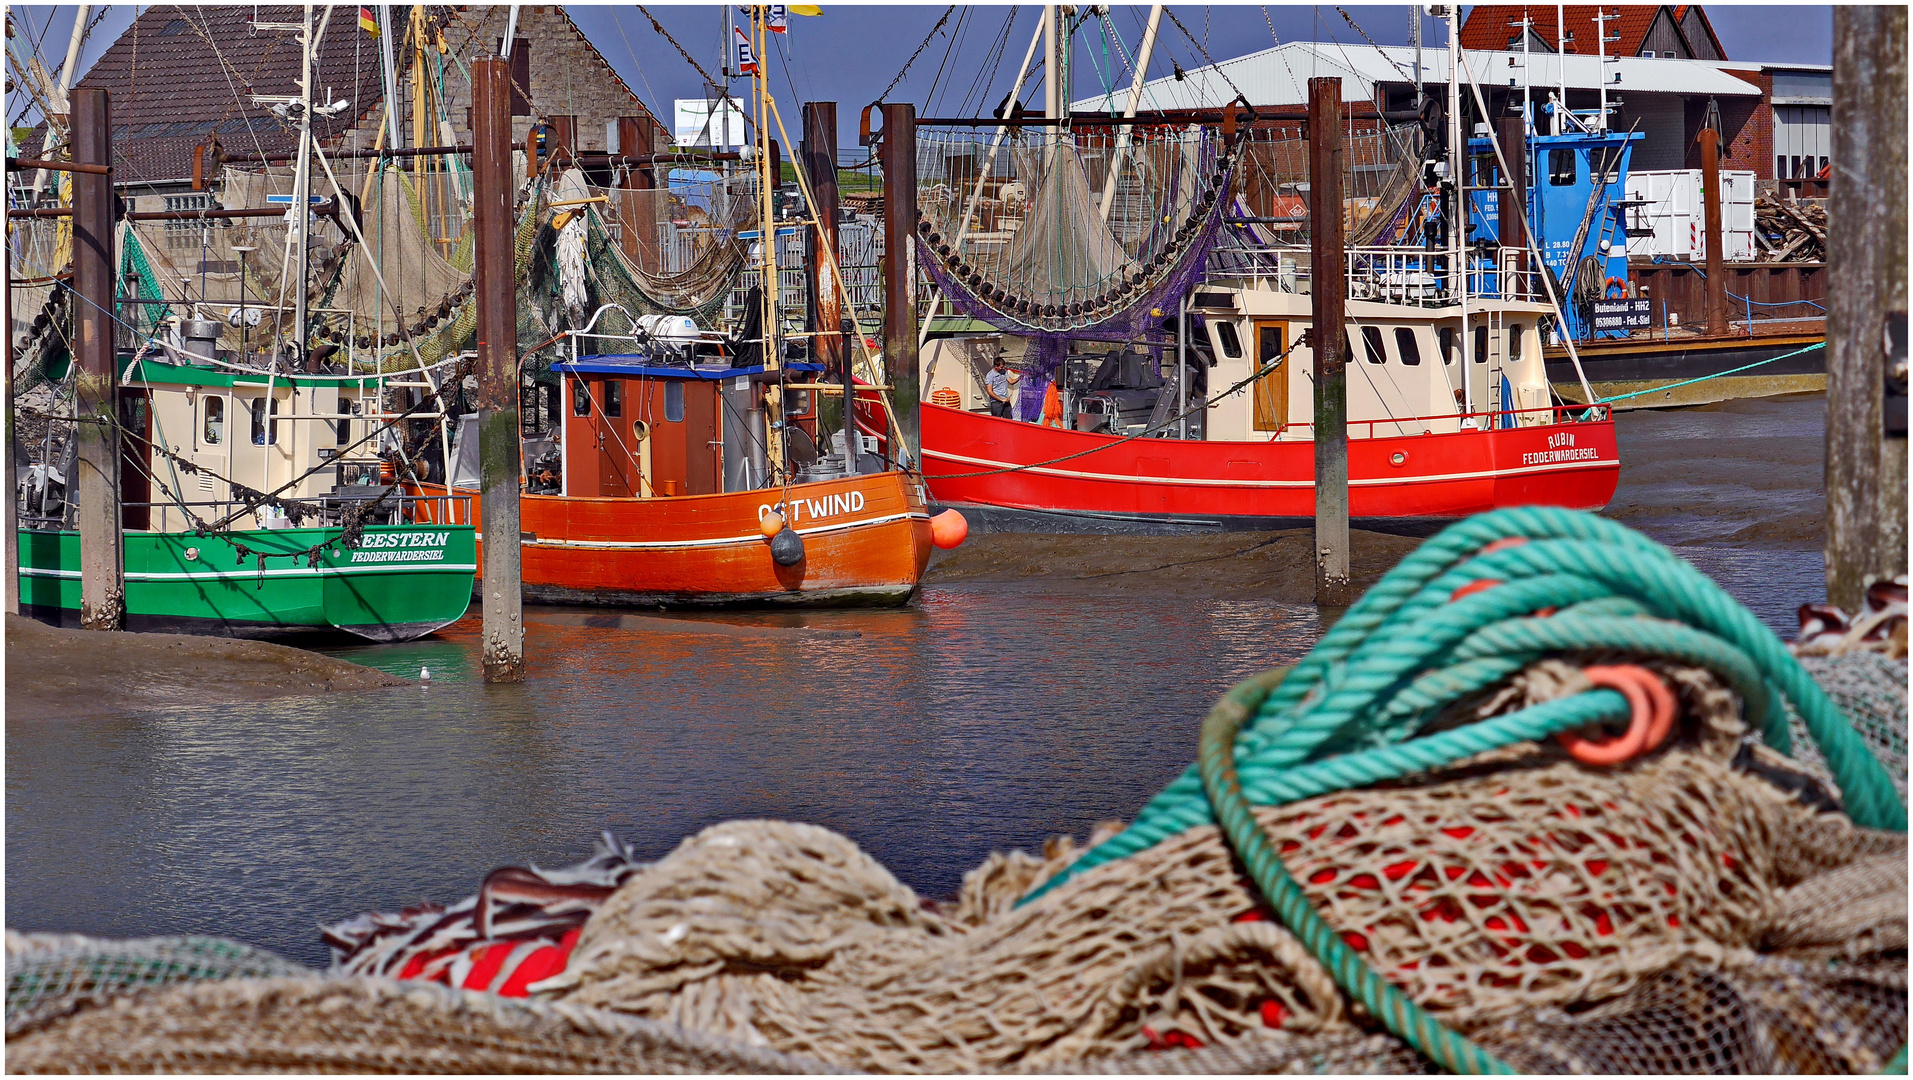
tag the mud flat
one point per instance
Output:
(1277, 565)
(54, 673)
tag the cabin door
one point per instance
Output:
(136, 458)
(1272, 389)
(617, 460)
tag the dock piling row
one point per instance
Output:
(503, 601)
(1328, 292)
(102, 576)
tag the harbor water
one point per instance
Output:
(988, 715)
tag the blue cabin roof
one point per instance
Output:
(643, 365)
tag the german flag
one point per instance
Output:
(367, 22)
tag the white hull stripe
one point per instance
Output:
(751, 538)
(1196, 481)
(254, 575)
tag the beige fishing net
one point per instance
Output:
(1694, 911)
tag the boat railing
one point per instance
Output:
(1409, 275)
(327, 511)
(1482, 419)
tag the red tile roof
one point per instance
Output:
(1487, 25)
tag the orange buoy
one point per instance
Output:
(770, 523)
(948, 529)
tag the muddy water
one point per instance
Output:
(994, 713)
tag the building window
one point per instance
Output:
(674, 402)
(1406, 348)
(215, 429)
(580, 398)
(1780, 167)
(1823, 167)
(1561, 167)
(1372, 344)
(187, 234)
(1647, 54)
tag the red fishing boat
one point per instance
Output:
(1245, 457)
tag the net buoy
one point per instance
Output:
(949, 529)
(787, 548)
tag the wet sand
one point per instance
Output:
(56, 674)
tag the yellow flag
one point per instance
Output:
(805, 9)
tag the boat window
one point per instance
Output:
(215, 429)
(614, 397)
(1231, 345)
(1406, 348)
(1372, 344)
(580, 398)
(1481, 344)
(265, 432)
(1514, 343)
(1446, 336)
(674, 401)
(1560, 167)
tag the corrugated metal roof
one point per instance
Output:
(1280, 75)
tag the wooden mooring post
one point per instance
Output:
(1716, 257)
(817, 156)
(899, 163)
(96, 383)
(1866, 307)
(1328, 291)
(498, 451)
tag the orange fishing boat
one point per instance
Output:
(655, 489)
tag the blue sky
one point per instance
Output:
(853, 51)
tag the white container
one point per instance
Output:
(675, 329)
(1679, 219)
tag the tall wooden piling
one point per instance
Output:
(1512, 198)
(504, 628)
(9, 519)
(1328, 290)
(1867, 307)
(818, 158)
(1716, 270)
(899, 162)
(96, 385)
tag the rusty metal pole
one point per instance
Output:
(96, 389)
(899, 164)
(1710, 195)
(1867, 307)
(504, 628)
(818, 155)
(1328, 291)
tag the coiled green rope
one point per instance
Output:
(1351, 713)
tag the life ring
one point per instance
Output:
(1612, 284)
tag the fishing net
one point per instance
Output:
(1870, 688)
(1697, 910)
(1380, 179)
(677, 249)
(1031, 234)
(55, 974)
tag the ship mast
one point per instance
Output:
(767, 239)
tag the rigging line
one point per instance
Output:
(1171, 12)
(1002, 41)
(635, 66)
(1399, 70)
(950, 43)
(913, 56)
(723, 88)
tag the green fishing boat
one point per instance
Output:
(398, 583)
(335, 546)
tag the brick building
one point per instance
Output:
(180, 76)
(1648, 31)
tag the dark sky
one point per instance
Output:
(853, 51)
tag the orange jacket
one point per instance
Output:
(1053, 406)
